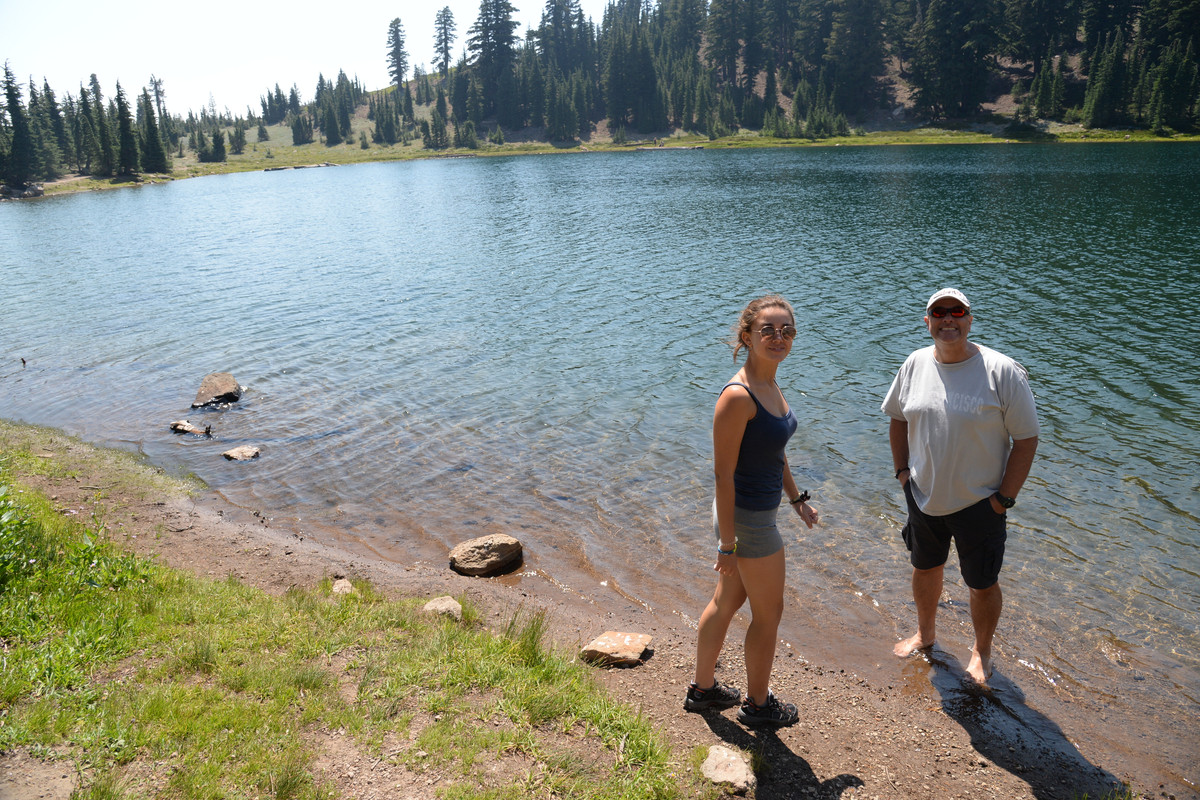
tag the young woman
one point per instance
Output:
(751, 426)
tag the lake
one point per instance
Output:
(434, 350)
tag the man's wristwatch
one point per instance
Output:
(1005, 502)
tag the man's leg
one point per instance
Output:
(986, 605)
(927, 590)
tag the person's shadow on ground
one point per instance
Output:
(1013, 736)
(781, 774)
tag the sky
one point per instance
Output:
(236, 57)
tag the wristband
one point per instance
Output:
(801, 499)
(902, 469)
(728, 552)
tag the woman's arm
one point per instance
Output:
(806, 512)
(734, 409)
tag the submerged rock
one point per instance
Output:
(485, 555)
(243, 453)
(217, 387)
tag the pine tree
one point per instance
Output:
(154, 152)
(492, 43)
(129, 158)
(86, 142)
(443, 40)
(62, 132)
(1103, 100)
(854, 52)
(329, 124)
(950, 62)
(237, 139)
(21, 165)
(44, 143)
(397, 56)
(724, 38)
(218, 146)
(106, 163)
(438, 138)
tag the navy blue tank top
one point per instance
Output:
(758, 477)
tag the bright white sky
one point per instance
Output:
(237, 57)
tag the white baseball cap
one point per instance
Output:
(948, 292)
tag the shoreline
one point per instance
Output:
(869, 740)
(319, 155)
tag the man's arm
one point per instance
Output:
(1020, 461)
(898, 438)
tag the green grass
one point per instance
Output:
(114, 663)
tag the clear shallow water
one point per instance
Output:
(439, 349)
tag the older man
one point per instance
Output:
(963, 433)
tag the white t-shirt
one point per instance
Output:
(961, 419)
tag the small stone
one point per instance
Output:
(343, 586)
(730, 768)
(445, 606)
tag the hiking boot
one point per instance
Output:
(773, 713)
(715, 696)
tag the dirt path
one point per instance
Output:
(855, 739)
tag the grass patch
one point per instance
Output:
(160, 683)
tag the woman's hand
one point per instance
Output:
(726, 563)
(807, 513)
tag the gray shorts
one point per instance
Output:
(756, 531)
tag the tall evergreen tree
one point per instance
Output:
(49, 156)
(953, 50)
(129, 159)
(725, 37)
(154, 152)
(443, 40)
(21, 165)
(106, 163)
(397, 56)
(86, 142)
(854, 52)
(58, 125)
(491, 41)
(1103, 101)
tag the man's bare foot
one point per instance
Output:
(980, 668)
(906, 647)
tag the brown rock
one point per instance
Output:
(613, 648)
(217, 387)
(728, 767)
(243, 453)
(485, 555)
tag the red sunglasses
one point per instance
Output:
(937, 312)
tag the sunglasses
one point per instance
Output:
(770, 332)
(937, 312)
